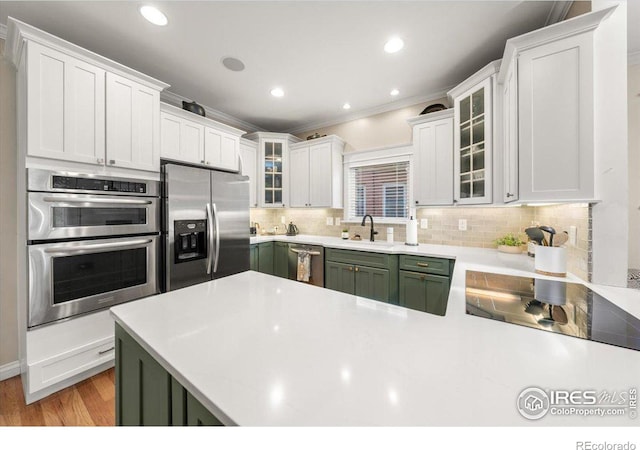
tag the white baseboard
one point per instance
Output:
(9, 370)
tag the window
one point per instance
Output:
(380, 190)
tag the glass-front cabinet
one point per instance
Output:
(273, 174)
(473, 142)
(273, 168)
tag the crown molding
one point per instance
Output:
(266, 135)
(360, 114)
(633, 58)
(19, 33)
(3, 31)
(205, 121)
(558, 13)
(332, 138)
(176, 100)
(430, 117)
(486, 72)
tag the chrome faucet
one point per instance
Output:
(373, 232)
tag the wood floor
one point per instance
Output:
(88, 403)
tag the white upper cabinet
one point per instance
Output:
(433, 158)
(81, 108)
(473, 144)
(316, 173)
(194, 139)
(547, 79)
(133, 124)
(66, 107)
(248, 159)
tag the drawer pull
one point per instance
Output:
(102, 352)
(422, 264)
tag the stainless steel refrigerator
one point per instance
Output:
(205, 225)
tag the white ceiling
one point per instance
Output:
(321, 53)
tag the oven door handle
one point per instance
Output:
(90, 248)
(209, 238)
(101, 201)
(215, 217)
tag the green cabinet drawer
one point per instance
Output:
(425, 264)
(265, 257)
(422, 292)
(354, 257)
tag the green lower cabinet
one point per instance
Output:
(423, 292)
(372, 283)
(146, 394)
(281, 259)
(339, 277)
(265, 257)
(253, 257)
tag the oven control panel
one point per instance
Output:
(97, 184)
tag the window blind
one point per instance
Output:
(381, 190)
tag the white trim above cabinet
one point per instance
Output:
(194, 139)
(315, 173)
(433, 158)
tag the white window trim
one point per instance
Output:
(372, 157)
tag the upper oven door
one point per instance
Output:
(64, 216)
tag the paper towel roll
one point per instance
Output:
(412, 232)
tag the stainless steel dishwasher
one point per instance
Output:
(316, 254)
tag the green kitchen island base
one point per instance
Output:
(146, 394)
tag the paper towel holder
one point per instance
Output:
(415, 233)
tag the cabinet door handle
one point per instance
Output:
(422, 264)
(510, 195)
(202, 161)
(100, 160)
(112, 162)
(357, 269)
(102, 352)
(350, 269)
(417, 203)
(422, 277)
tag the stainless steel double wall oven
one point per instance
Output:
(92, 242)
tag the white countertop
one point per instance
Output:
(261, 350)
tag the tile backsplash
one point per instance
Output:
(484, 226)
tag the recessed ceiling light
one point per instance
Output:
(346, 106)
(233, 64)
(393, 45)
(154, 15)
(277, 92)
(394, 92)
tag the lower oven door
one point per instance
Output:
(71, 278)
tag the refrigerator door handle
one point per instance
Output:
(215, 217)
(209, 238)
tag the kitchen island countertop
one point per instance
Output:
(260, 350)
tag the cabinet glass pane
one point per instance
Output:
(465, 162)
(277, 196)
(465, 136)
(268, 197)
(478, 160)
(268, 181)
(478, 131)
(268, 149)
(465, 190)
(277, 149)
(277, 181)
(478, 103)
(277, 166)
(465, 109)
(478, 188)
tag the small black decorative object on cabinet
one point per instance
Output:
(193, 107)
(433, 108)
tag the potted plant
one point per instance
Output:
(510, 243)
(345, 233)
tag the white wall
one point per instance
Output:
(8, 276)
(610, 223)
(634, 166)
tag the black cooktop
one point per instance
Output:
(557, 306)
